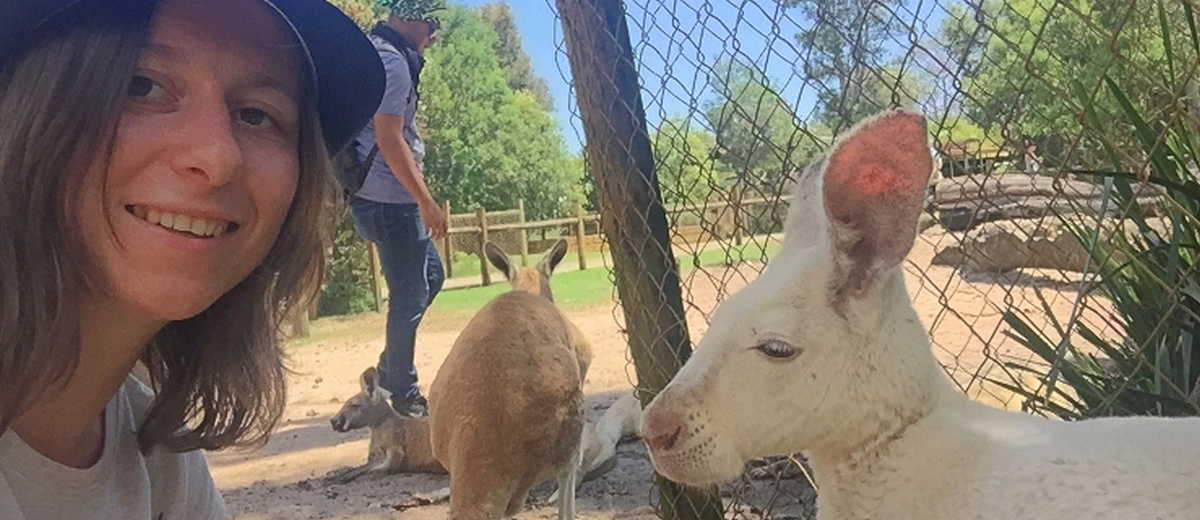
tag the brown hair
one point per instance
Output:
(218, 377)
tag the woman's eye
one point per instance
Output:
(141, 87)
(254, 116)
(776, 349)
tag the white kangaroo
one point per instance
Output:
(506, 407)
(824, 353)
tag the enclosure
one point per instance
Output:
(1055, 267)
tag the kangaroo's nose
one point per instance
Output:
(664, 442)
(662, 429)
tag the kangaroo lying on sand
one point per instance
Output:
(399, 444)
(825, 353)
(622, 419)
(506, 407)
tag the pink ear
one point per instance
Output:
(874, 186)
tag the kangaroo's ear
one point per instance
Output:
(499, 258)
(369, 380)
(553, 257)
(874, 185)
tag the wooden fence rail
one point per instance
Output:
(578, 223)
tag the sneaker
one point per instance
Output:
(416, 407)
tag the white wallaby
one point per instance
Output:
(824, 353)
(506, 407)
(399, 444)
(622, 419)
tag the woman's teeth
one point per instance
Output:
(201, 227)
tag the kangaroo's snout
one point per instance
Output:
(338, 423)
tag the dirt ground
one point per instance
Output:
(283, 479)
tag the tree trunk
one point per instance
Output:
(632, 213)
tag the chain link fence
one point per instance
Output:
(1056, 265)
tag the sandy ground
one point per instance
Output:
(283, 478)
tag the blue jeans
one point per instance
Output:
(414, 275)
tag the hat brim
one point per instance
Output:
(347, 72)
(349, 75)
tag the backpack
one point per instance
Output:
(351, 172)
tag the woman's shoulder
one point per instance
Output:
(182, 480)
(139, 396)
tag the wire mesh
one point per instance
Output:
(1043, 269)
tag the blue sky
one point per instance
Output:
(671, 39)
(674, 41)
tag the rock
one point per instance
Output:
(1029, 243)
(966, 201)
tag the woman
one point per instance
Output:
(162, 167)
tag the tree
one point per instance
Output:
(1036, 68)
(513, 58)
(365, 13)
(757, 133)
(488, 145)
(685, 160)
(847, 57)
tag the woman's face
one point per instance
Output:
(205, 159)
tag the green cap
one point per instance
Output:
(414, 9)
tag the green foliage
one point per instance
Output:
(347, 288)
(488, 145)
(846, 42)
(757, 133)
(1042, 63)
(1152, 278)
(685, 161)
(960, 129)
(513, 59)
(365, 13)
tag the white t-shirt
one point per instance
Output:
(123, 484)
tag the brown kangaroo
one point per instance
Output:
(399, 444)
(506, 407)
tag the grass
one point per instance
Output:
(572, 289)
(576, 289)
(467, 265)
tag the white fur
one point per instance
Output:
(620, 420)
(887, 433)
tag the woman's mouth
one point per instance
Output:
(193, 226)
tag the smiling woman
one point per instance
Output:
(162, 170)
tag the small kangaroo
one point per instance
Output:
(824, 354)
(399, 444)
(506, 407)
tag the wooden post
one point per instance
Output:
(579, 235)
(376, 277)
(314, 310)
(523, 234)
(633, 220)
(299, 321)
(447, 245)
(484, 272)
(737, 216)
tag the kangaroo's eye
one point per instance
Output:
(776, 349)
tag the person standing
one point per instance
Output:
(394, 207)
